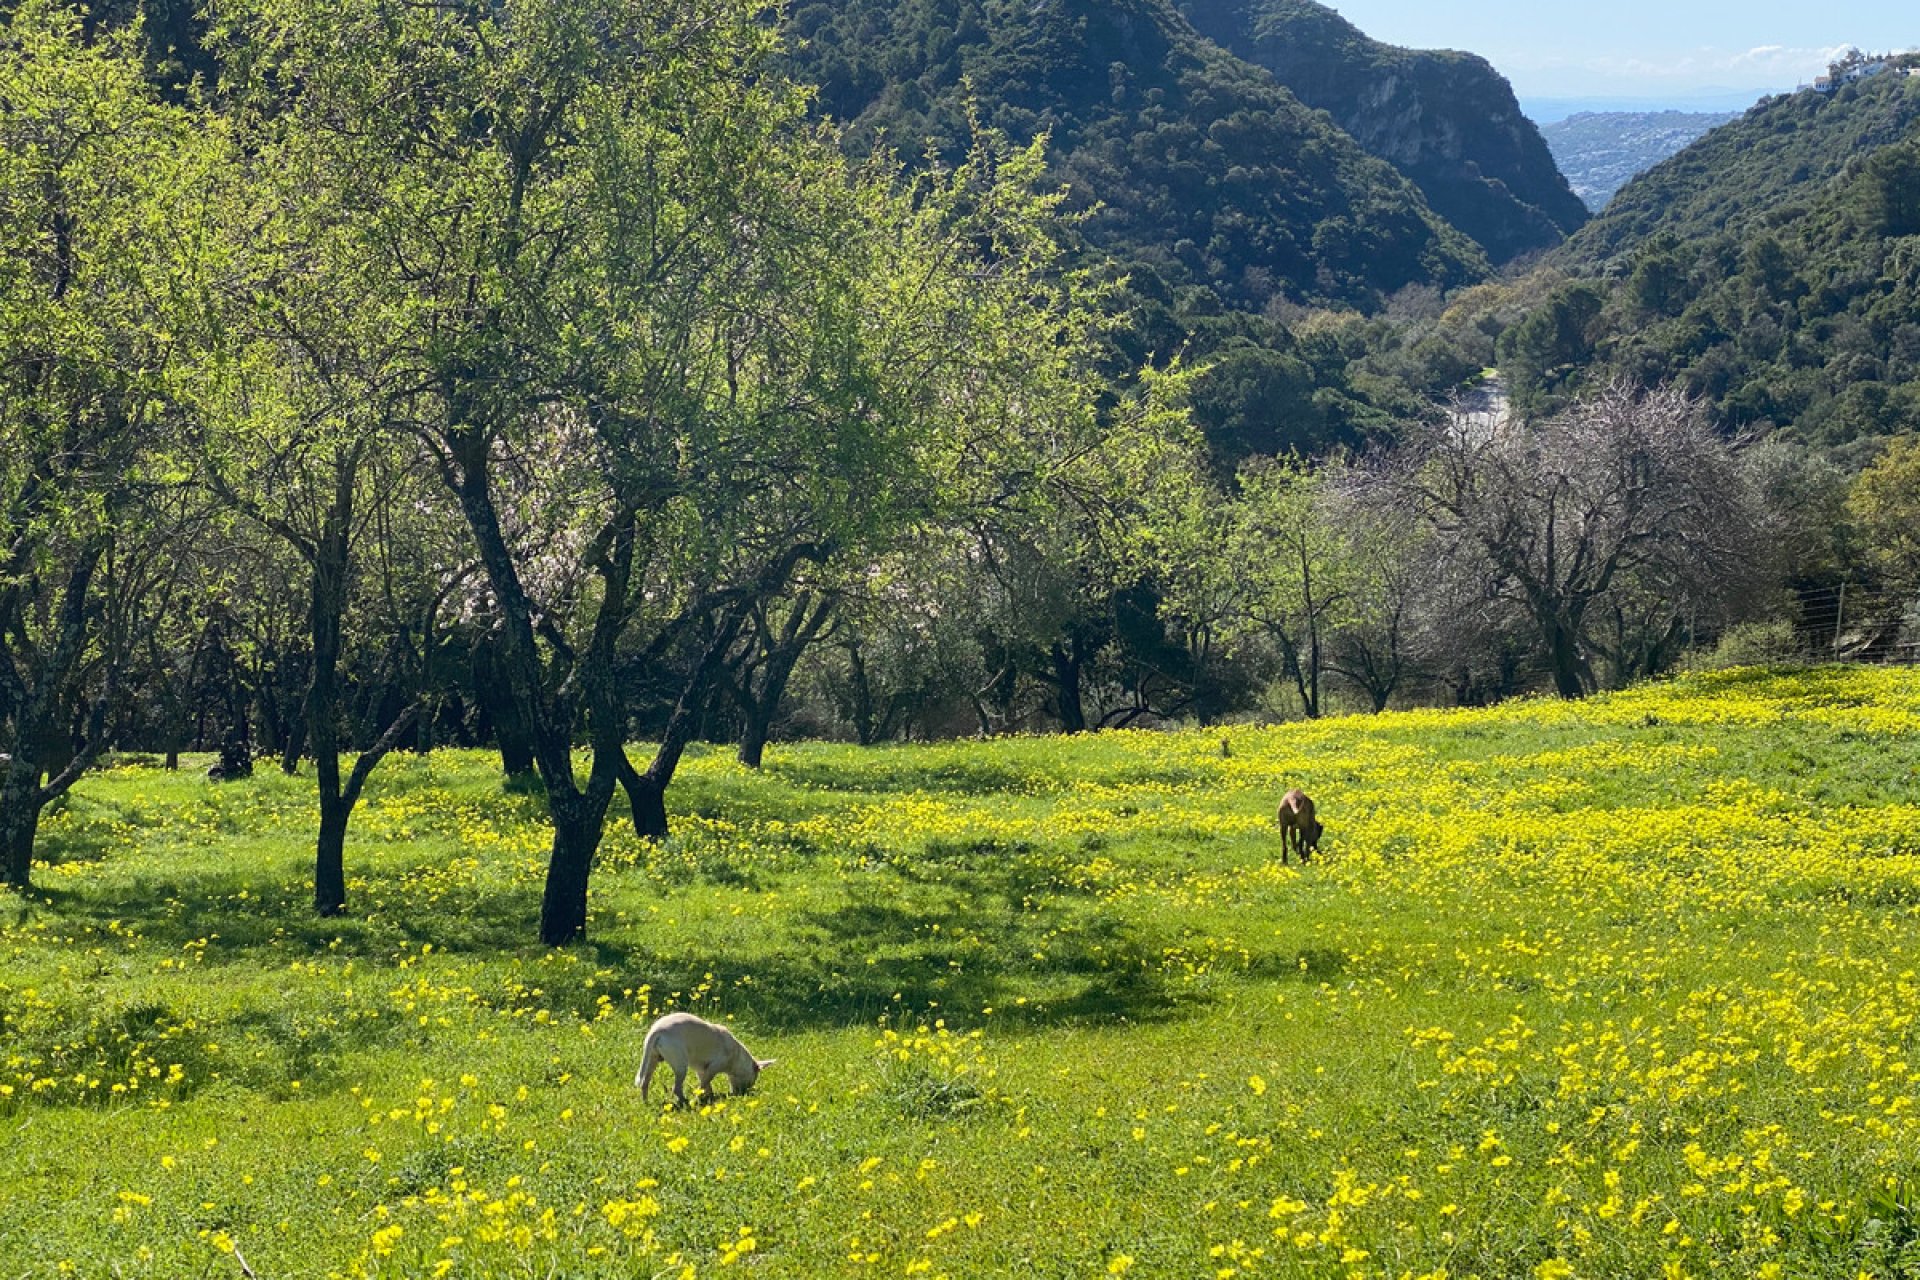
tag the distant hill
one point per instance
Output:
(1600, 152)
(1546, 111)
(1447, 120)
(1200, 169)
(1757, 170)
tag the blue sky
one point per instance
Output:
(1643, 48)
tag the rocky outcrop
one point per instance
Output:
(1191, 167)
(1446, 120)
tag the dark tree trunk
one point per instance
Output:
(20, 806)
(577, 825)
(173, 760)
(1563, 659)
(648, 801)
(326, 606)
(780, 651)
(862, 696)
(37, 708)
(647, 792)
(294, 747)
(330, 559)
(579, 815)
(758, 710)
(1067, 701)
(329, 857)
(756, 728)
(516, 756)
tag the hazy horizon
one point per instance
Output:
(1641, 51)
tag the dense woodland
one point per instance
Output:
(563, 376)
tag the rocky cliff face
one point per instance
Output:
(1192, 166)
(1448, 121)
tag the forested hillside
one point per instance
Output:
(1773, 268)
(1762, 169)
(1196, 169)
(1447, 120)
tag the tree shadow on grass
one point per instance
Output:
(241, 919)
(951, 933)
(974, 939)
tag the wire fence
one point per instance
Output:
(1853, 623)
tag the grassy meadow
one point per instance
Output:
(1621, 988)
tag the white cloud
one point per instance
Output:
(1767, 66)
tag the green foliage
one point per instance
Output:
(1772, 268)
(1189, 164)
(1885, 502)
(1542, 354)
(1738, 179)
(1602, 151)
(101, 252)
(1749, 644)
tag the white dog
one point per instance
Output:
(683, 1041)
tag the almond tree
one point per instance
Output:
(97, 236)
(1627, 499)
(660, 343)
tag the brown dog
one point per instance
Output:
(1299, 829)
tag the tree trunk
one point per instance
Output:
(326, 605)
(294, 747)
(648, 799)
(576, 834)
(516, 756)
(579, 817)
(1067, 703)
(756, 728)
(22, 797)
(329, 859)
(511, 733)
(20, 806)
(862, 697)
(1563, 659)
(758, 711)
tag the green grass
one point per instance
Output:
(1622, 988)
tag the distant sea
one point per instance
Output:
(1552, 110)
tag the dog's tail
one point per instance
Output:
(649, 1059)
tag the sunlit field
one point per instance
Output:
(1623, 988)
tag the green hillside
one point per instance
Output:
(1773, 268)
(1760, 170)
(1602, 151)
(1198, 169)
(1447, 120)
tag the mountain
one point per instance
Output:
(1601, 151)
(1756, 171)
(1771, 268)
(1546, 111)
(1447, 120)
(1195, 169)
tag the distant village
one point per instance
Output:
(1856, 66)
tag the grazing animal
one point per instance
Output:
(1299, 829)
(685, 1042)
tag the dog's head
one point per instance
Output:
(747, 1071)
